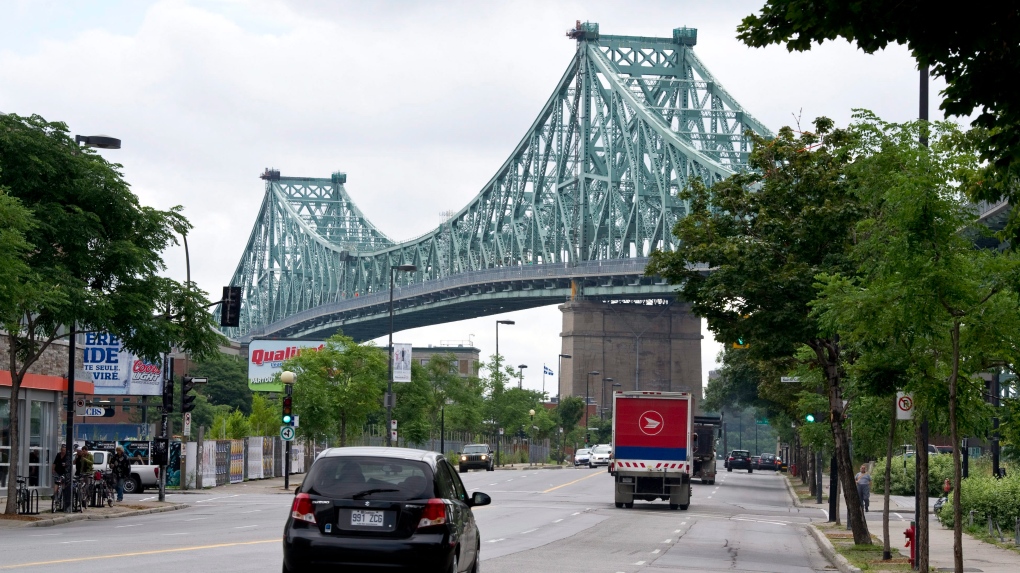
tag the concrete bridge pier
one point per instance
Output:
(642, 346)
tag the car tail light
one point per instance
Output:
(301, 509)
(731, 458)
(156, 469)
(433, 514)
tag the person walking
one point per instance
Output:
(863, 479)
(121, 467)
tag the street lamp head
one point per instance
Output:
(505, 322)
(287, 377)
(98, 141)
(607, 379)
(406, 268)
(617, 385)
(522, 366)
(565, 356)
(531, 413)
(594, 373)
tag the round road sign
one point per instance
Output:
(286, 433)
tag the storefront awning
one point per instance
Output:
(42, 382)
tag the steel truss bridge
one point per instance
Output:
(575, 210)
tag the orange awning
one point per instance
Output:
(54, 383)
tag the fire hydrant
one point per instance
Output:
(909, 534)
(946, 487)
(793, 469)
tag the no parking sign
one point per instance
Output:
(904, 406)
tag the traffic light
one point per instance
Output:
(288, 413)
(810, 418)
(168, 395)
(230, 307)
(740, 343)
(187, 398)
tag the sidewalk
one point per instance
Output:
(977, 555)
(47, 519)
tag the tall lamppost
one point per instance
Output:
(389, 379)
(520, 375)
(499, 322)
(615, 386)
(603, 407)
(559, 376)
(98, 142)
(531, 436)
(587, 392)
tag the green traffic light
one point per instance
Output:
(286, 419)
(810, 417)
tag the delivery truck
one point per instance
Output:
(706, 428)
(653, 445)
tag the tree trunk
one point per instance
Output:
(886, 548)
(828, 352)
(15, 434)
(954, 433)
(343, 430)
(923, 539)
(809, 468)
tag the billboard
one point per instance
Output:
(116, 372)
(401, 362)
(266, 357)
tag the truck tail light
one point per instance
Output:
(301, 509)
(433, 514)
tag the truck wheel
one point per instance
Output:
(629, 505)
(673, 506)
(685, 506)
(619, 504)
(705, 481)
(729, 469)
(711, 481)
(132, 485)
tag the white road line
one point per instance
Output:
(897, 515)
(496, 540)
(668, 541)
(676, 531)
(245, 526)
(148, 498)
(558, 520)
(46, 535)
(181, 533)
(577, 513)
(492, 484)
(252, 511)
(528, 531)
(196, 519)
(825, 512)
(656, 551)
(709, 497)
(639, 563)
(212, 498)
(79, 541)
(131, 525)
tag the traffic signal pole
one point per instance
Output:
(287, 414)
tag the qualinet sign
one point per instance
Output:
(266, 358)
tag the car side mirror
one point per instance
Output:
(478, 498)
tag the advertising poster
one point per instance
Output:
(266, 357)
(401, 362)
(209, 463)
(268, 452)
(115, 372)
(236, 461)
(255, 458)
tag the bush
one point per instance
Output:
(940, 467)
(987, 497)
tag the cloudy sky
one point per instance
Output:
(419, 102)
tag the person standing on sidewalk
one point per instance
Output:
(60, 463)
(863, 480)
(121, 467)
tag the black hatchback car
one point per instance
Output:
(382, 509)
(740, 460)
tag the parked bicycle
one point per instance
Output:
(102, 489)
(80, 493)
(27, 500)
(57, 502)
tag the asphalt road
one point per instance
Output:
(540, 520)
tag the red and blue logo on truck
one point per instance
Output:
(651, 431)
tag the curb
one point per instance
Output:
(793, 494)
(829, 551)
(526, 468)
(81, 517)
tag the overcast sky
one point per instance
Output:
(419, 103)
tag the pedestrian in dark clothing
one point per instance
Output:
(60, 463)
(121, 467)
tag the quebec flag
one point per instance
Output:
(546, 370)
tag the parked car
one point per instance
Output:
(944, 449)
(582, 456)
(741, 460)
(599, 456)
(769, 462)
(754, 462)
(477, 456)
(373, 508)
(142, 475)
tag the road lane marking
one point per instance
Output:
(676, 531)
(668, 541)
(252, 511)
(212, 498)
(78, 541)
(572, 483)
(496, 540)
(181, 533)
(576, 513)
(656, 551)
(81, 558)
(131, 525)
(639, 563)
(558, 520)
(528, 531)
(245, 526)
(196, 519)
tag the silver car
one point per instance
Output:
(582, 456)
(599, 456)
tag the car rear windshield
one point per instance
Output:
(601, 450)
(583, 451)
(744, 453)
(347, 477)
(476, 449)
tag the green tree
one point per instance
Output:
(94, 258)
(264, 419)
(337, 387)
(976, 52)
(570, 410)
(918, 269)
(766, 233)
(15, 221)
(228, 381)
(415, 402)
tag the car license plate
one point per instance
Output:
(365, 517)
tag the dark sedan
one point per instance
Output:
(740, 460)
(769, 462)
(382, 509)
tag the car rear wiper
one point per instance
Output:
(361, 494)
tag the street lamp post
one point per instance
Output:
(587, 392)
(559, 377)
(389, 379)
(603, 408)
(499, 322)
(531, 436)
(99, 142)
(520, 375)
(615, 385)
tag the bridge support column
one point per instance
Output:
(640, 346)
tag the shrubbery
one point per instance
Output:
(987, 497)
(940, 467)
